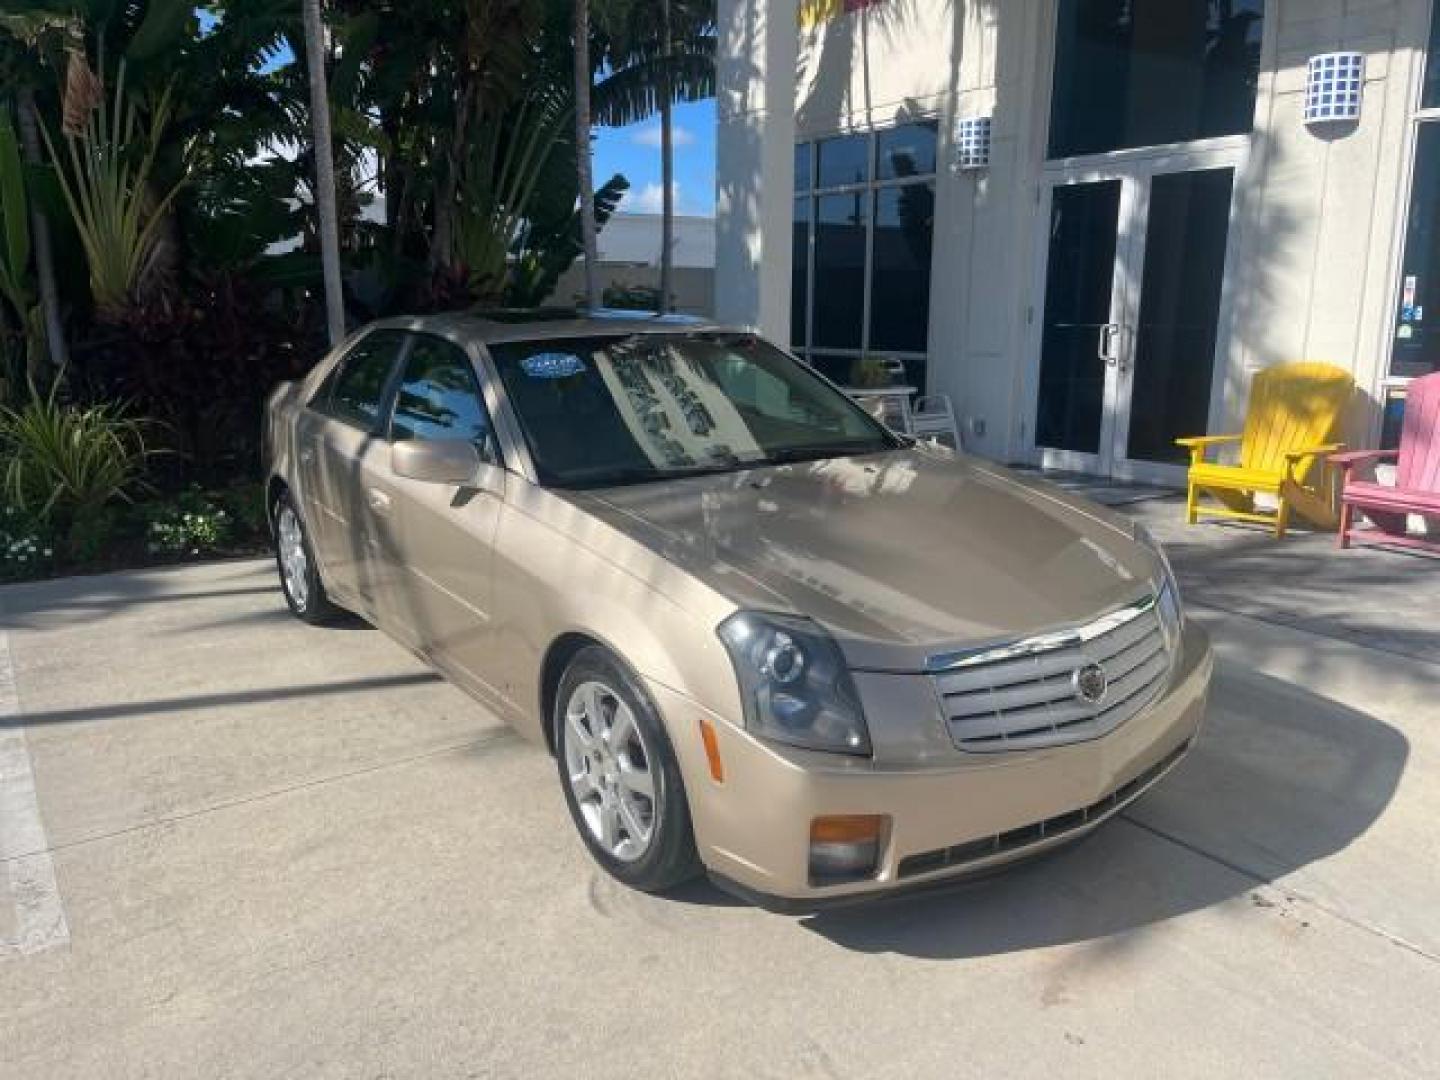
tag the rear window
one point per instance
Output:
(354, 393)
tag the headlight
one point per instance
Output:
(1172, 612)
(794, 683)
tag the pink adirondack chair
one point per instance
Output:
(1417, 480)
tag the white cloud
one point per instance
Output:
(650, 199)
(649, 135)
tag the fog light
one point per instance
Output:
(845, 847)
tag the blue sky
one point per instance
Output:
(635, 151)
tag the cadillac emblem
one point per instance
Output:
(1090, 683)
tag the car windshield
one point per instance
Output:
(622, 409)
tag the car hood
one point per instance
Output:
(899, 555)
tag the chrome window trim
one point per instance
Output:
(1041, 643)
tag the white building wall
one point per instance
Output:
(1318, 242)
(755, 162)
(1319, 215)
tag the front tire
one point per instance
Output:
(299, 573)
(620, 777)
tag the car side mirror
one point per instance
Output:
(436, 461)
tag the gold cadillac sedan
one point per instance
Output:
(764, 637)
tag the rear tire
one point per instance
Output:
(295, 560)
(619, 775)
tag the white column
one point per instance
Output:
(755, 164)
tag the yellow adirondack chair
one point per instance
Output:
(1296, 410)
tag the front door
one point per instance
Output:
(440, 604)
(1134, 270)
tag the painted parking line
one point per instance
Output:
(24, 851)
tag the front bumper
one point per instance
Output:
(951, 814)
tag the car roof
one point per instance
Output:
(496, 327)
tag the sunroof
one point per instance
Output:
(525, 315)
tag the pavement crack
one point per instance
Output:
(496, 737)
(1265, 879)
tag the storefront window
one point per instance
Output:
(900, 284)
(840, 229)
(907, 150)
(1134, 73)
(844, 160)
(1416, 348)
(799, 272)
(860, 283)
(1430, 97)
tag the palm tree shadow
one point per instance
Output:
(1281, 778)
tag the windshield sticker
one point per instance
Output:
(552, 365)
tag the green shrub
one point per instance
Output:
(66, 467)
(26, 549)
(246, 505)
(193, 523)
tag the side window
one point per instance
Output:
(355, 391)
(438, 398)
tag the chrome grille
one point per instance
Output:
(1024, 695)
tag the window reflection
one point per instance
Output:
(1416, 344)
(840, 222)
(1134, 73)
(800, 273)
(843, 160)
(438, 398)
(907, 150)
(900, 278)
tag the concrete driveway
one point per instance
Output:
(238, 846)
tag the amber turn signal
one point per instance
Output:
(712, 751)
(846, 829)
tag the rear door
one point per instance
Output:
(344, 468)
(441, 602)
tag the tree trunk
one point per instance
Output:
(328, 225)
(583, 78)
(667, 166)
(40, 234)
(442, 248)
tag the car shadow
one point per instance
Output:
(1279, 779)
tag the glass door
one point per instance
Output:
(1166, 362)
(1083, 290)
(1133, 282)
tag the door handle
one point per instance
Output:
(377, 500)
(1109, 334)
(1109, 350)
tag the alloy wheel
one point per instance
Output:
(294, 563)
(609, 769)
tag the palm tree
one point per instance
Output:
(583, 163)
(328, 225)
(40, 233)
(662, 51)
(667, 165)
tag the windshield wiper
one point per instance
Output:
(816, 451)
(639, 475)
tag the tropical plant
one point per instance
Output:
(552, 241)
(584, 173)
(506, 163)
(67, 465)
(108, 193)
(16, 295)
(327, 223)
